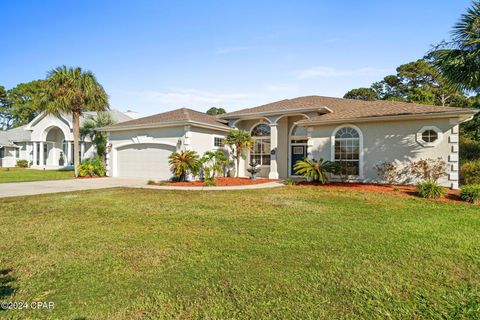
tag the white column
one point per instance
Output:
(35, 155)
(309, 143)
(69, 152)
(273, 152)
(82, 151)
(42, 154)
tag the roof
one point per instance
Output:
(337, 109)
(175, 117)
(116, 115)
(18, 134)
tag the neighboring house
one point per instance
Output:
(360, 133)
(47, 139)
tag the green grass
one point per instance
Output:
(293, 252)
(24, 175)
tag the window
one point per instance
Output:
(261, 148)
(429, 136)
(299, 132)
(347, 151)
(2, 152)
(17, 152)
(218, 142)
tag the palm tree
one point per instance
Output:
(73, 91)
(315, 169)
(89, 128)
(459, 59)
(239, 141)
(217, 159)
(184, 162)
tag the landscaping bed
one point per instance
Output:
(401, 190)
(221, 182)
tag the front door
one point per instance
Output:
(297, 153)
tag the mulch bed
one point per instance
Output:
(407, 191)
(221, 182)
(93, 177)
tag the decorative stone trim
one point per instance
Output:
(453, 157)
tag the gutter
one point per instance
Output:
(163, 125)
(306, 123)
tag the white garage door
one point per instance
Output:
(148, 161)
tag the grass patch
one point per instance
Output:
(290, 252)
(24, 175)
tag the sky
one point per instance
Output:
(154, 56)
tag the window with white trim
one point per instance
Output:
(261, 148)
(218, 142)
(347, 151)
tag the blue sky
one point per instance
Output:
(153, 56)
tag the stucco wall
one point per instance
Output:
(395, 141)
(182, 137)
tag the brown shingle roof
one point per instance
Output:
(182, 115)
(347, 108)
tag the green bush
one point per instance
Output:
(471, 193)
(290, 182)
(430, 190)
(470, 172)
(91, 167)
(209, 182)
(469, 149)
(22, 163)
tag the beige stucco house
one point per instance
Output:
(359, 133)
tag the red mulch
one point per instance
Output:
(221, 182)
(407, 191)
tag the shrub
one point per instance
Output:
(430, 190)
(91, 167)
(469, 149)
(388, 172)
(209, 182)
(22, 163)
(427, 169)
(290, 182)
(183, 163)
(315, 169)
(151, 182)
(470, 172)
(471, 193)
(175, 179)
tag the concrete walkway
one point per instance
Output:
(42, 187)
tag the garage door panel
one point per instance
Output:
(148, 161)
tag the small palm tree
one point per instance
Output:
(89, 128)
(184, 162)
(239, 141)
(458, 60)
(217, 161)
(73, 91)
(315, 169)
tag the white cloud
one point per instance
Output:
(329, 72)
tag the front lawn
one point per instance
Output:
(291, 252)
(23, 175)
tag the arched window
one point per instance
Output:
(347, 150)
(261, 147)
(299, 132)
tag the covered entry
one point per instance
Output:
(144, 160)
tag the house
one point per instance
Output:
(360, 134)
(46, 140)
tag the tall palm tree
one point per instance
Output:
(459, 59)
(73, 91)
(89, 128)
(239, 141)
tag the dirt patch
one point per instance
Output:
(407, 191)
(221, 182)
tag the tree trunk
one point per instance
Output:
(76, 134)
(238, 163)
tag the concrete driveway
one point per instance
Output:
(42, 187)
